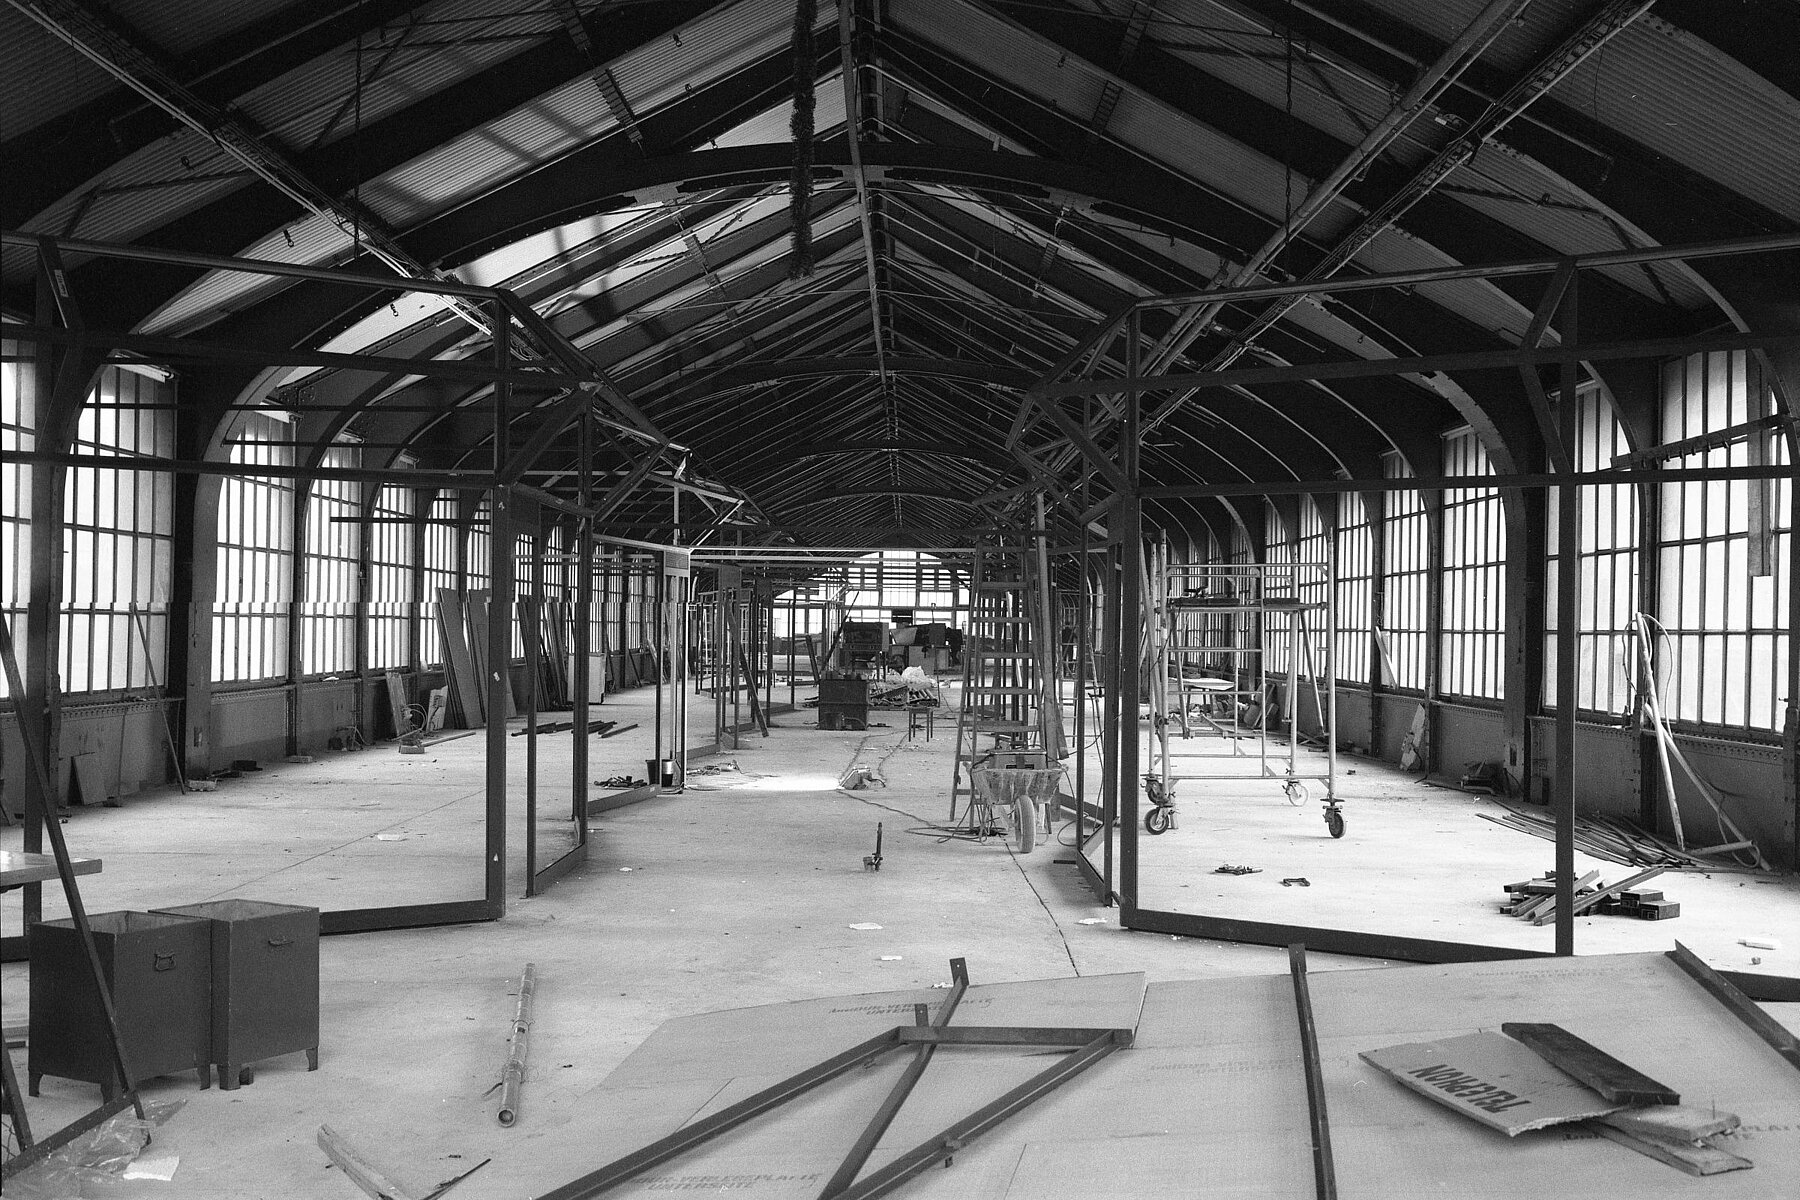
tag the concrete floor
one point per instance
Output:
(740, 891)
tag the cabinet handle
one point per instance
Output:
(162, 962)
(279, 942)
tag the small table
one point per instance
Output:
(18, 868)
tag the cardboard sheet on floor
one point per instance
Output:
(1211, 1098)
(1490, 1078)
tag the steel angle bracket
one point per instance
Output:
(1087, 1046)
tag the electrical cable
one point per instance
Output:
(1056, 924)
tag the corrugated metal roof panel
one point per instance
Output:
(709, 47)
(1537, 29)
(305, 106)
(1681, 96)
(1322, 90)
(1149, 126)
(316, 240)
(44, 78)
(487, 156)
(180, 26)
(1665, 88)
(1517, 192)
(478, 160)
(776, 125)
(168, 178)
(1223, 164)
(1480, 303)
(1028, 62)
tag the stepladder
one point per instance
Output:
(1010, 715)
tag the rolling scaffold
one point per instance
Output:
(1211, 627)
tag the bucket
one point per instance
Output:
(660, 772)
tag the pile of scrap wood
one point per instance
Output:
(1613, 839)
(1534, 900)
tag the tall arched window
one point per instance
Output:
(333, 550)
(1607, 553)
(118, 532)
(1355, 588)
(391, 576)
(1723, 573)
(255, 556)
(1474, 607)
(1406, 562)
(442, 532)
(18, 431)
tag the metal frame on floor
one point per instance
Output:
(924, 1036)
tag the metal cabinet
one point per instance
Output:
(157, 967)
(843, 704)
(265, 982)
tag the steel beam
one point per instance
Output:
(1324, 1173)
(1426, 87)
(1467, 360)
(1446, 482)
(1722, 248)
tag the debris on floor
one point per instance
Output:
(358, 1169)
(856, 777)
(88, 1163)
(1534, 900)
(512, 1075)
(1537, 1075)
(865, 925)
(1296, 881)
(153, 1166)
(1617, 840)
(1228, 869)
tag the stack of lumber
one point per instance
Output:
(1534, 900)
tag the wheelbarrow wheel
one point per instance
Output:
(1025, 812)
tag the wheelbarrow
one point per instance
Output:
(1019, 796)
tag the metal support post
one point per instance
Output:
(1568, 583)
(499, 630)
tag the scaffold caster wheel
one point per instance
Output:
(1334, 821)
(1157, 820)
(1297, 793)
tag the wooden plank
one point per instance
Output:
(1545, 908)
(360, 1172)
(1704, 1159)
(1593, 1066)
(465, 691)
(88, 781)
(1673, 1122)
(396, 690)
(1592, 898)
